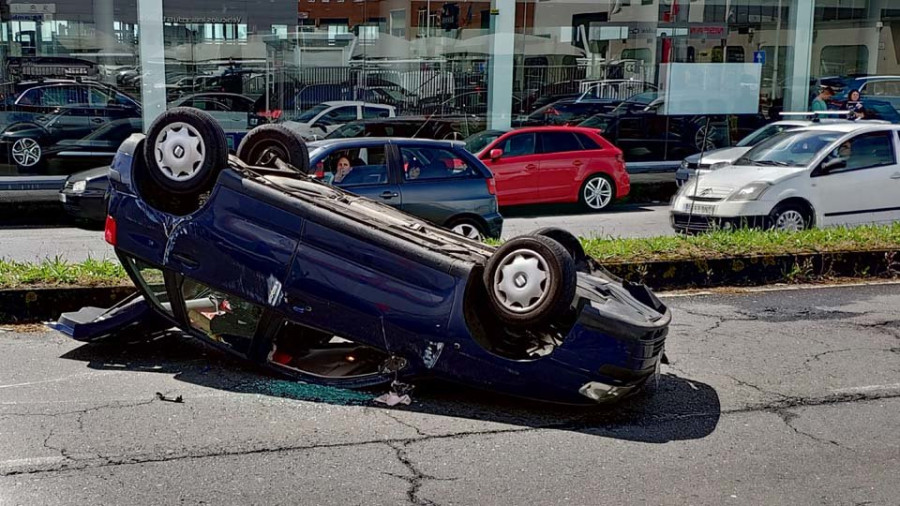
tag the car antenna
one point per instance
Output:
(697, 172)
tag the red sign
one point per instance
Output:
(712, 31)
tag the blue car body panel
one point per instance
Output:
(418, 304)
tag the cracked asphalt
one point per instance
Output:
(771, 397)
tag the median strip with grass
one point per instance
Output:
(57, 272)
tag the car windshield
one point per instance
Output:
(308, 115)
(789, 149)
(600, 121)
(762, 134)
(558, 111)
(477, 142)
(346, 131)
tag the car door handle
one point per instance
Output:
(530, 166)
(389, 194)
(895, 175)
(97, 120)
(577, 163)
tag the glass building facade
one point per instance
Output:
(79, 76)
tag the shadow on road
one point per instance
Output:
(542, 210)
(674, 408)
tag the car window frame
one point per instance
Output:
(501, 143)
(893, 142)
(389, 161)
(540, 146)
(401, 175)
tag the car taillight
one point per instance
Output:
(491, 185)
(274, 114)
(320, 170)
(109, 230)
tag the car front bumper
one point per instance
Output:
(87, 205)
(700, 216)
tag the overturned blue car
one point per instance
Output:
(255, 256)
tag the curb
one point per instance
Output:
(43, 304)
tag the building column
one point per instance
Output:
(800, 56)
(104, 25)
(153, 66)
(500, 64)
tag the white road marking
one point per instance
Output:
(868, 389)
(761, 289)
(57, 380)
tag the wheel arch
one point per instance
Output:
(467, 216)
(801, 202)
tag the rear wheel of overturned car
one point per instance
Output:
(184, 151)
(530, 280)
(566, 240)
(265, 144)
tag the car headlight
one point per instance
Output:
(79, 186)
(752, 191)
(718, 165)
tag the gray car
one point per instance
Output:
(436, 180)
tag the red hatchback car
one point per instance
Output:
(556, 164)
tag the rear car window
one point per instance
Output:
(559, 142)
(424, 163)
(587, 142)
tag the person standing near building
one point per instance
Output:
(820, 103)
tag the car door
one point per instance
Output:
(370, 175)
(437, 183)
(516, 171)
(561, 158)
(865, 186)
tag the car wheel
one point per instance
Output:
(790, 218)
(530, 280)
(566, 239)
(467, 228)
(266, 143)
(597, 192)
(27, 153)
(701, 135)
(184, 151)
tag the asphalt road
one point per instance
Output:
(34, 243)
(781, 397)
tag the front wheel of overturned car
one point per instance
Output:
(184, 151)
(265, 144)
(530, 280)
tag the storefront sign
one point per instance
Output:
(203, 19)
(708, 32)
(32, 8)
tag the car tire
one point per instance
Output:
(530, 280)
(566, 239)
(597, 192)
(184, 151)
(790, 218)
(262, 145)
(28, 154)
(467, 228)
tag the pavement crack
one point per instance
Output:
(403, 423)
(418, 477)
(788, 417)
(754, 387)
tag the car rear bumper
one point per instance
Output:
(84, 206)
(494, 225)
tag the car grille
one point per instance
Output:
(693, 223)
(704, 199)
(708, 194)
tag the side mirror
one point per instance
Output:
(495, 154)
(833, 164)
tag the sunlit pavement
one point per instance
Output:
(771, 397)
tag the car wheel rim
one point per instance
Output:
(468, 230)
(26, 152)
(180, 151)
(597, 193)
(790, 221)
(520, 281)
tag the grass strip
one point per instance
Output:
(54, 272)
(720, 244)
(745, 242)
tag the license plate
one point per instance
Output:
(699, 208)
(62, 197)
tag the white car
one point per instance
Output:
(723, 157)
(833, 174)
(229, 109)
(318, 121)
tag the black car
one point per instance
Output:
(418, 127)
(84, 196)
(570, 111)
(74, 132)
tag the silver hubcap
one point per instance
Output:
(790, 221)
(520, 282)
(179, 151)
(597, 193)
(468, 230)
(26, 152)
